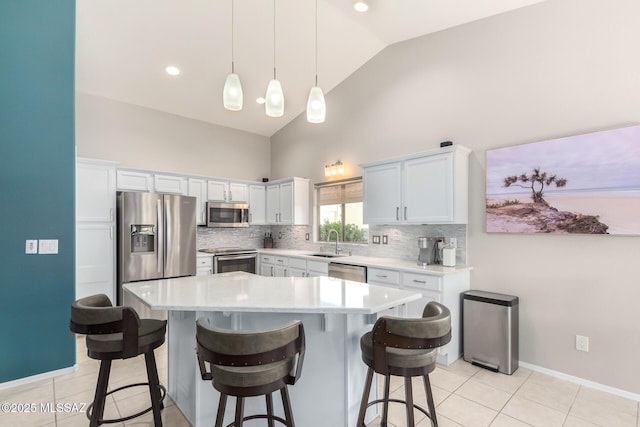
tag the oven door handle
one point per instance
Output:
(234, 257)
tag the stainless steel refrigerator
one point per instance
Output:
(156, 240)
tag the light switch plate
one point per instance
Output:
(385, 239)
(49, 246)
(31, 247)
(375, 239)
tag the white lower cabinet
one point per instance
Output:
(297, 267)
(445, 290)
(267, 265)
(95, 255)
(204, 265)
(379, 276)
(317, 268)
(276, 265)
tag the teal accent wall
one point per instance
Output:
(37, 174)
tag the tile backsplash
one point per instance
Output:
(402, 240)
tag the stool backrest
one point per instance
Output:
(249, 348)
(430, 331)
(95, 315)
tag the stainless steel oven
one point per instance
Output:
(233, 259)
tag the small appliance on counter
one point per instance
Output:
(268, 240)
(430, 250)
(449, 256)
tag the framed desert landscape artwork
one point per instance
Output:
(587, 184)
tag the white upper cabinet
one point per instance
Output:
(223, 191)
(170, 184)
(198, 189)
(288, 202)
(134, 181)
(95, 190)
(257, 205)
(382, 193)
(424, 188)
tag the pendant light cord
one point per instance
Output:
(232, 53)
(316, 42)
(274, 39)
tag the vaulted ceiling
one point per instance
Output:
(123, 47)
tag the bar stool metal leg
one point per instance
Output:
(222, 405)
(239, 412)
(269, 399)
(101, 393)
(408, 396)
(154, 387)
(365, 398)
(385, 404)
(286, 402)
(432, 406)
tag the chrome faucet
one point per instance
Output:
(329, 236)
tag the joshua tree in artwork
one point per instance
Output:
(536, 181)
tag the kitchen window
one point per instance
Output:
(339, 207)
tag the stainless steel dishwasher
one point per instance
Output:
(357, 273)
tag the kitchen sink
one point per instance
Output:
(326, 255)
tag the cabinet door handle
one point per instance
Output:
(420, 281)
(250, 217)
(285, 273)
(110, 214)
(224, 194)
(397, 213)
(382, 276)
(405, 213)
(272, 271)
(230, 195)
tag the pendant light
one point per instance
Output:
(316, 107)
(232, 92)
(274, 99)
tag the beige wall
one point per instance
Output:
(557, 68)
(142, 138)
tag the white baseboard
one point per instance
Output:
(582, 381)
(39, 377)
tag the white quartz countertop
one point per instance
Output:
(390, 263)
(245, 292)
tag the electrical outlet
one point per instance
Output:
(453, 241)
(31, 247)
(48, 246)
(582, 343)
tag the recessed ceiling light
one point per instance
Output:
(361, 6)
(172, 71)
(260, 100)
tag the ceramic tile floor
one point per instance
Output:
(464, 395)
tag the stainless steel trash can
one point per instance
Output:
(490, 330)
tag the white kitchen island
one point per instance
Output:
(334, 312)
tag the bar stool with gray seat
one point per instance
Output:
(118, 333)
(251, 363)
(405, 347)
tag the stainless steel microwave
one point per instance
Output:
(227, 214)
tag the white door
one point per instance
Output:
(257, 205)
(198, 189)
(95, 192)
(428, 189)
(382, 194)
(95, 272)
(238, 193)
(286, 203)
(217, 191)
(273, 204)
